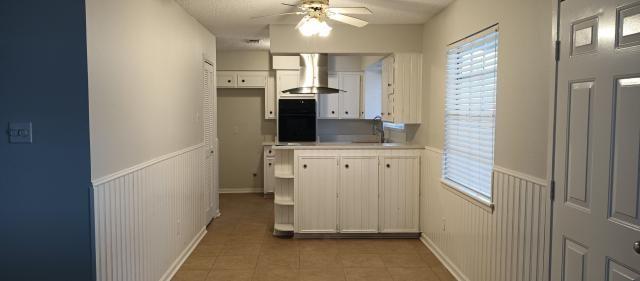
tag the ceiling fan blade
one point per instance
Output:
(348, 20)
(304, 19)
(291, 5)
(275, 15)
(351, 10)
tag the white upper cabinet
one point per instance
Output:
(346, 104)
(402, 85)
(285, 80)
(329, 105)
(251, 79)
(351, 84)
(242, 79)
(226, 79)
(270, 97)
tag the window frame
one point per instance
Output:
(472, 194)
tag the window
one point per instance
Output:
(470, 110)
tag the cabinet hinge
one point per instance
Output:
(558, 50)
(552, 190)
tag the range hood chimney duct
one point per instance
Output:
(314, 75)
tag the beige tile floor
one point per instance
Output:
(240, 246)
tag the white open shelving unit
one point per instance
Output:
(284, 192)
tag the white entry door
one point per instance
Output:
(597, 204)
(210, 140)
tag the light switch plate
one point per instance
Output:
(20, 132)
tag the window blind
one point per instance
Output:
(470, 110)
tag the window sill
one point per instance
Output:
(468, 195)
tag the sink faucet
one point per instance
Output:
(378, 127)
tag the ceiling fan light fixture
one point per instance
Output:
(314, 26)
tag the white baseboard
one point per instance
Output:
(184, 255)
(241, 190)
(443, 259)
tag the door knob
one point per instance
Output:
(636, 247)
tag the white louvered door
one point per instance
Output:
(596, 223)
(210, 139)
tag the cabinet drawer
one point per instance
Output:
(226, 79)
(252, 80)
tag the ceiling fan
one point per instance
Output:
(316, 13)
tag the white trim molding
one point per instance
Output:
(118, 174)
(241, 190)
(453, 269)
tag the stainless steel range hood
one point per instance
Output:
(314, 75)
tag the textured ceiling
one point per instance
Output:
(230, 20)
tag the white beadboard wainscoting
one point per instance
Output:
(148, 218)
(508, 244)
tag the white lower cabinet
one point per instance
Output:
(269, 175)
(358, 194)
(315, 190)
(399, 193)
(368, 191)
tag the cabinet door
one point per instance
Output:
(329, 105)
(226, 79)
(358, 194)
(351, 83)
(388, 73)
(316, 192)
(252, 79)
(399, 192)
(269, 175)
(286, 79)
(270, 97)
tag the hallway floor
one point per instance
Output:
(240, 246)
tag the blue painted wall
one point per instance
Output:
(45, 219)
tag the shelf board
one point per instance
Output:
(284, 176)
(283, 227)
(283, 201)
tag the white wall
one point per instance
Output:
(524, 76)
(145, 65)
(244, 60)
(373, 39)
(145, 81)
(511, 242)
(241, 131)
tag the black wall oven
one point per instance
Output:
(297, 120)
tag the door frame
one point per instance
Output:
(552, 130)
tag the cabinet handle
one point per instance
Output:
(228, 81)
(388, 113)
(389, 84)
(388, 165)
(270, 112)
(269, 164)
(242, 80)
(382, 113)
(269, 151)
(304, 166)
(333, 112)
(346, 112)
(346, 166)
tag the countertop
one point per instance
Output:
(344, 145)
